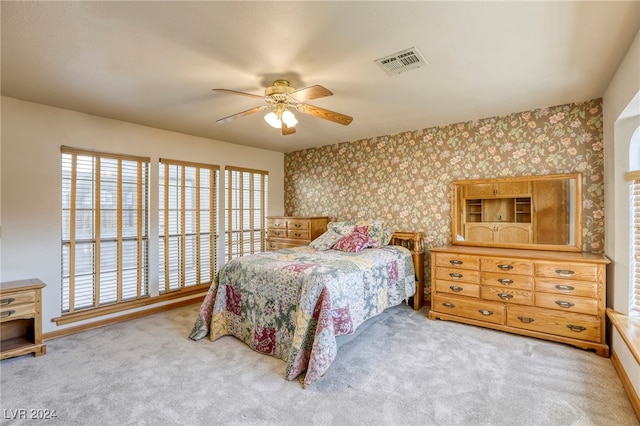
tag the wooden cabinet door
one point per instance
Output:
(550, 212)
(479, 232)
(513, 189)
(480, 190)
(514, 233)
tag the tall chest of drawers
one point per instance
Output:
(559, 296)
(293, 231)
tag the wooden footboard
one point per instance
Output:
(414, 241)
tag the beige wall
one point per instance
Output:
(621, 117)
(31, 182)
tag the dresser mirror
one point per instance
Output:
(531, 212)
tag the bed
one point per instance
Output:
(292, 303)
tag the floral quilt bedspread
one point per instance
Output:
(292, 303)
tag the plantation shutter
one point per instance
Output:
(634, 202)
(104, 228)
(187, 224)
(246, 208)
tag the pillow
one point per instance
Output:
(387, 233)
(343, 228)
(374, 230)
(354, 242)
(325, 241)
(363, 229)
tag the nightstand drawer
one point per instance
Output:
(9, 313)
(17, 298)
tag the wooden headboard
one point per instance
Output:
(414, 241)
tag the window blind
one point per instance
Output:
(187, 224)
(247, 194)
(104, 228)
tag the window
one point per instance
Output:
(187, 222)
(245, 211)
(104, 228)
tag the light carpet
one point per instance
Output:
(400, 368)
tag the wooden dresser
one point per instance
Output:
(21, 318)
(553, 295)
(292, 231)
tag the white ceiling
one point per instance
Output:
(155, 63)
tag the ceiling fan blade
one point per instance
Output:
(336, 117)
(286, 130)
(311, 92)
(233, 92)
(241, 114)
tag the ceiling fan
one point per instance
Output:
(280, 97)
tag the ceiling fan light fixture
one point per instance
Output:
(273, 120)
(289, 119)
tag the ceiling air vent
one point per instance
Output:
(405, 60)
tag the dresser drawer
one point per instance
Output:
(509, 295)
(480, 310)
(462, 275)
(26, 310)
(277, 233)
(277, 223)
(293, 224)
(459, 261)
(573, 288)
(576, 326)
(512, 266)
(297, 234)
(277, 245)
(460, 288)
(566, 303)
(567, 271)
(17, 298)
(501, 279)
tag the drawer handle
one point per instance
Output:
(505, 296)
(297, 225)
(564, 272)
(505, 267)
(485, 312)
(455, 288)
(455, 276)
(565, 287)
(526, 320)
(297, 234)
(7, 301)
(6, 314)
(455, 262)
(505, 281)
(448, 305)
(277, 225)
(278, 233)
(576, 328)
(564, 304)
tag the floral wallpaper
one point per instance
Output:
(405, 178)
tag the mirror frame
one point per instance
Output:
(457, 209)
